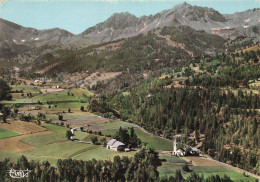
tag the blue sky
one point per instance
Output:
(78, 15)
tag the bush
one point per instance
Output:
(82, 108)
(69, 134)
(186, 168)
(60, 117)
(94, 139)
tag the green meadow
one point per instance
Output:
(154, 141)
(6, 133)
(170, 169)
(147, 139)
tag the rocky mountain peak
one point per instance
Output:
(197, 13)
(124, 25)
(121, 21)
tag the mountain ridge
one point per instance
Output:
(125, 25)
(12, 32)
(198, 18)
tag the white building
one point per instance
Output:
(188, 150)
(115, 145)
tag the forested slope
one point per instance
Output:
(213, 97)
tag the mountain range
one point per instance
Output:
(125, 25)
(128, 45)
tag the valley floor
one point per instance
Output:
(48, 142)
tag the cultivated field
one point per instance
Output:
(22, 127)
(154, 141)
(7, 133)
(14, 144)
(77, 122)
(49, 142)
(200, 166)
(148, 140)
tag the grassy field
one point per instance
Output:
(153, 141)
(64, 149)
(61, 97)
(42, 140)
(115, 125)
(146, 139)
(101, 153)
(13, 156)
(80, 135)
(26, 88)
(75, 150)
(56, 129)
(67, 116)
(206, 171)
(71, 105)
(81, 92)
(110, 132)
(87, 137)
(58, 96)
(170, 158)
(7, 133)
(54, 145)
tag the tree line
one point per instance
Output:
(140, 168)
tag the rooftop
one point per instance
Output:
(111, 142)
(117, 144)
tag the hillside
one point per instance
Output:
(14, 33)
(119, 64)
(217, 98)
(170, 38)
(178, 90)
(124, 25)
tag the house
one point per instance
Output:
(195, 151)
(188, 150)
(115, 145)
(118, 146)
(180, 153)
(56, 86)
(149, 95)
(110, 143)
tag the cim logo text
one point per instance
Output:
(18, 173)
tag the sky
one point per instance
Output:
(78, 15)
